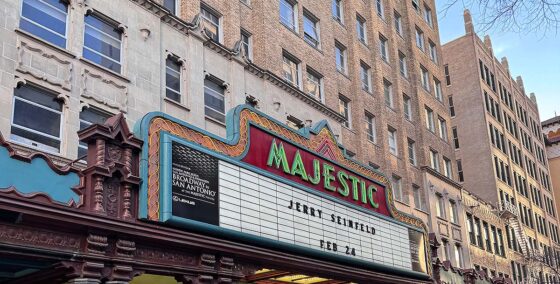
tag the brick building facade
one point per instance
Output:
(500, 151)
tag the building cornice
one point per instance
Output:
(442, 177)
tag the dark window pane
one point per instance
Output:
(172, 81)
(103, 26)
(42, 33)
(103, 44)
(35, 137)
(90, 116)
(36, 118)
(103, 61)
(172, 95)
(38, 96)
(45, 15)
(170, 5)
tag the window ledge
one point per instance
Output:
(343, 74)
(348, 128)
(103, 69)
(178, 104)
(442, 219)
(422, 210)
(42, 41)
(290, 29)
(401, 202)
(214, 120)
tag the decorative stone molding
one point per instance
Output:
(44, 65)
(27, 236)
(96, 244)
(104, 91)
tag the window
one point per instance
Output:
(428, 16)
(340, 52)
(447, 76)
(487, 240)
(448, 170)
(451, 106)
(445, 249)
(388, 91)
(211, 23)
(214, 100)
(419, 200)
(442, 129)
(459, 255)
(313, 84)
(425, 78)
(407, 107)
(310, 29)
(455, 137)
(412, 152)
(379, 7)
(437, 90)
(173, 79)
(102, 42)
(370, 127)
(170, 5)
(440, 206)
(383, 49)
(433, 52)
(453, 212)
(365, 77)
(290, 69)
(420, 39)
(460, 171)
(37, 118)
(398, 24)
(45, 19)
(396, 185)
(88, 117)
(288, 15)
(402, 65)
(470, 228)
(247, 44)
(434, 160)
(344, 110)
(430, 120)
(416, 5)
(361, 29)
(392, 136)
(337, 11)
(478, 232)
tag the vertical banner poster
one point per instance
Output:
(194, 185)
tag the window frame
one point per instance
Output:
(66, 25)
(292, 59)
(340, 9)
(384, 48)
(248, 44)
(27, 141)
(294, 11)
(117, 26)
(392, 136)
(223, 94)
(407, 107)
(370, 127)
(361, 29)
(342, 51)
(319, 77)
(411, 145)
(315, 42)
(344, 104)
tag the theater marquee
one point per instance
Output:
(271, 186)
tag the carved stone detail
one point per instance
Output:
(111, 197)
(125, 248)
(44, 65)
(168, 256)
(98, 194)
(114, 152)
(126, 202)
(207, 260)
(104, 91)
(38, 238)
(100, 152)
(97, 244)
(226, 264)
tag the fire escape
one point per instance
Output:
(508, 212)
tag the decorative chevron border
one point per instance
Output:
(154, 124)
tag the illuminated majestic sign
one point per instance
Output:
(271, 186)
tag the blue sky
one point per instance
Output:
(534, 56)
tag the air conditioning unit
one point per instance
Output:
(33, 144)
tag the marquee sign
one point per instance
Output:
(271, 186)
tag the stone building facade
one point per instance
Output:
(372, 69)
(500, 150)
